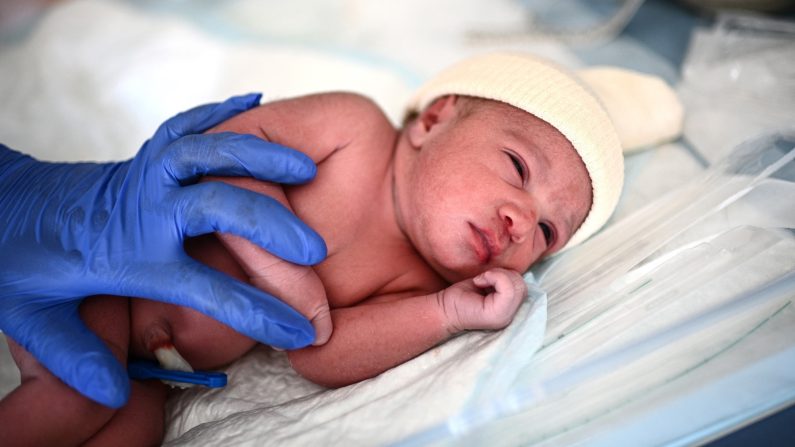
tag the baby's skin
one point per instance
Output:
(427, 229)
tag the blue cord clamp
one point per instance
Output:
(144, 369)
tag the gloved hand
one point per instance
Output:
(71, 230)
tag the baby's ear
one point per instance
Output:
(440, 111)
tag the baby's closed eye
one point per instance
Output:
(519, 165)
(549, 233)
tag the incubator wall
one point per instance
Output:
(738, 81)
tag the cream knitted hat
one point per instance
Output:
(554, 95)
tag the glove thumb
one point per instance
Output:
(202, 118)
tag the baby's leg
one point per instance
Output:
(43, 409)
(202, 341)
(169, 332)
(140, 422)
(205, 343)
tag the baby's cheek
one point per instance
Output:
(581, 200)
(527, 255)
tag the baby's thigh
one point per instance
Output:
(140, 422)
(43, 409)
(109, 318)
(203, 341)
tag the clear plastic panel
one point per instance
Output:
(738, 80)
(593, 266)
(590, 396)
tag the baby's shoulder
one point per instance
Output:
(355, 109)
(357, 127)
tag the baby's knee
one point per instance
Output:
(67, 414)
(92, 415)
(140, 422)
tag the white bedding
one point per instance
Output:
(95, 79)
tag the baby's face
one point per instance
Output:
(492, 186)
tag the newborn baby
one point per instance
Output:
(504, 159)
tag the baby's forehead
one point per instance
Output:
(519, 123)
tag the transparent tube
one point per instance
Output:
(551, 20)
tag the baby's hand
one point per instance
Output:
(487, 301)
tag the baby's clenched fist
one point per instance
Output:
(487, 301)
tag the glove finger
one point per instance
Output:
(238, 155)
(201, 118)
(58, 339)
(216, 206)
(248, 310)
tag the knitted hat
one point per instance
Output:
(554, 95)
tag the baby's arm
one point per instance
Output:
(386, 331)
(276, 276)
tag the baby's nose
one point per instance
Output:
(518, 223)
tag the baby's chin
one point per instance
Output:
(459, 266)
(453, 274)
(460, 273)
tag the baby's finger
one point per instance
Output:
(504, 282)
(485, 279)
(201, 118)
(323, 326)
(517, 284)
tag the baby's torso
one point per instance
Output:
(345, 204)
(348, 203)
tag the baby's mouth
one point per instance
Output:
(481, 244)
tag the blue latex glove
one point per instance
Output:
(70, 230)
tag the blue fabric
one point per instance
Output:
(68, 231)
